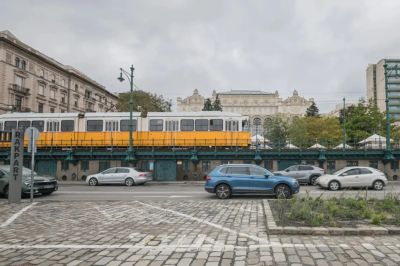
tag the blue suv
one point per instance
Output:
(229, 179)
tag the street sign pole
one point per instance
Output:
(17, 153)
(32, 143)
(33, 135)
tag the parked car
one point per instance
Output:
(353, 177)
(119, 175)
(229, 179)
(303, 173)
(41, 184)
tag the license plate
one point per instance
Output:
(49, 186)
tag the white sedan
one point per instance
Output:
(119, 175)
(353, 177)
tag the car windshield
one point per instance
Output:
(338, 172)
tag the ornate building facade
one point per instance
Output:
(33, 82)
(258, 105)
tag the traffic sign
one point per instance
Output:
(32, 134)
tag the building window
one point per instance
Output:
(84, 165)
(187, 125)
(53, 78)
(67, 125)
(216, 125)
(76, 103)
(156, 125)
(124, 125)
(268, 164)
(104, 165)
(373, 164)
(40, 107)
(63, 82)
(41, 73)
(94, 125)
(41, 89)
(18, 103)
(23, 64)
(201, 125)
(19, 81)
(64, 165)
(17, 62)
(331, 165)
(76, 87)
(352, 163)
(394, 165)
(52, 110)
(205, 165)
(63, 96)
(52, 94)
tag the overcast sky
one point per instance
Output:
(319, 47)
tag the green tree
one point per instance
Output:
(208, 106)
(217, 104)
(143, 102)
(276, 130)
(312, 110)
(363, 120)
(306, 131)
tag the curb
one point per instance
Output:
(151, 183)
(272, 228)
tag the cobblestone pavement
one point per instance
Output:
(187, 232)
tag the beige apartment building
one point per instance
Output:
(376, 86)
(33, 82)
(258, 105)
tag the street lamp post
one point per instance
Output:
(344, 124)
(130, 156)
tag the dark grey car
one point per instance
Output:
(303, 173)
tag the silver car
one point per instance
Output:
(303, 173)
(119, 175)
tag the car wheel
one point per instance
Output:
(334, 185)
(283, 191)
(5, 192)
(313, 180)
(223, 191)
(93, 182)
(129, 182)
(378, 185)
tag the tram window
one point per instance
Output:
(67, 125)
(171, 125)
(24, 124)
(201, 124)
(111, 125)
(216, 125)
(9, 125)
(156, 125)
(1, 125)
(53, 126)
(124, 124)
(187, 125)
(94, 125)
(39, 125)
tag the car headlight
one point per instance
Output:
(28, 184)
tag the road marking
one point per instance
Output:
(16, 215)
(255, 238)
(176, 196)
(129, 192)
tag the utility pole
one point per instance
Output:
(344, 124)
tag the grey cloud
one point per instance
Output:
(320, 48)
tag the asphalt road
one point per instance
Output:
(83, 192)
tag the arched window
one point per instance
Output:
(23, 65)
(257, 121)
(17, 62)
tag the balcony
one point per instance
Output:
(18, 89)
(21, 109)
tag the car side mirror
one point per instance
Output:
(287, 170)
(266, 176)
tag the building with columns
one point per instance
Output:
(33, 82)
(258, 105)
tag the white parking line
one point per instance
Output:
(15, 216)
(255, 238)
